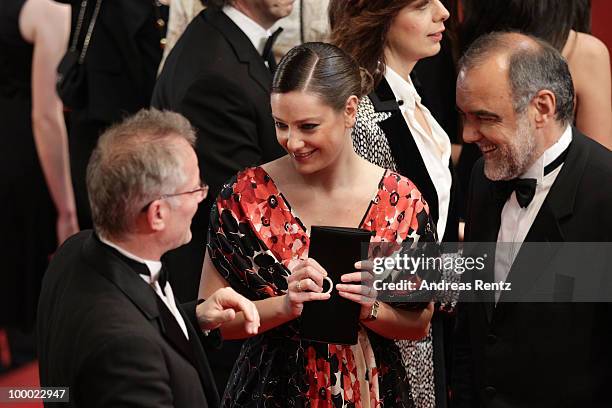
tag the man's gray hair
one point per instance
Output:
(531, 69)
(134, 163)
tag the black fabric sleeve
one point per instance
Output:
(125, 371)
(227, 127)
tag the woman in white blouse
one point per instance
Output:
(396, 131)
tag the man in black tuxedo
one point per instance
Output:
(539, 180)
(219, 76)
(109, 326)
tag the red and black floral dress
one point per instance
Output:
(254, 235)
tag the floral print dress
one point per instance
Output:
(254, 235)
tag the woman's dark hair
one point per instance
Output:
(582, 16)
(324, 70)
(550, 20)
(360, 28)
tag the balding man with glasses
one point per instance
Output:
(109, 325)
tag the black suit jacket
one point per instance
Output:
(103, 332)
(408, 159)
(217, 79)
(549, 354)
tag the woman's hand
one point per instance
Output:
(362, 292)
(305, 284)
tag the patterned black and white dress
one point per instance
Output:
(371, 143)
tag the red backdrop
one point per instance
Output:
(602, 21)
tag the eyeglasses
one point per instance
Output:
(202, 189)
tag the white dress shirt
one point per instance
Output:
(154, 268)
(515, 220)
(435, 148)
(256, 33)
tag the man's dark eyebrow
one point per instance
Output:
(486, 114)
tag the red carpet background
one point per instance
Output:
(25, 376)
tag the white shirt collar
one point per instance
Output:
(536, 170)
(402, 88)
(256, 33)
(154, 266)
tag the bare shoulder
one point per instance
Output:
(44, 17)
(587, 52)
(280, 169)
(591, 45)
(370, 172)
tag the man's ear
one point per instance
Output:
(350, 111)
(545, 107)
(156, 215)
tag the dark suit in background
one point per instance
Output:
(121, 65)
(215, 77)
(539, 354)
(103, 330)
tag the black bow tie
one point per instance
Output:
(162, 278)
(143, 269)
(139, 267)
(268, 54)
(525, 188)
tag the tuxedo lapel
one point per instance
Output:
(109, 264)
(244, 49)
(173, 333)
(101, 258)
(546, 228)
(486, 200)
(491, 219)
(201, 362)
(403, 147)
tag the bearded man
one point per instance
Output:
(539, 180)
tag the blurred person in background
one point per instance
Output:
(180, 15)
(38, 204)
(307, 22)
(120, 67)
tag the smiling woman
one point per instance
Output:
(394, 129)
(260, 237)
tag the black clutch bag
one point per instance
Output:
(71, 83)
(335, 320)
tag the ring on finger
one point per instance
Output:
(299, 286)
